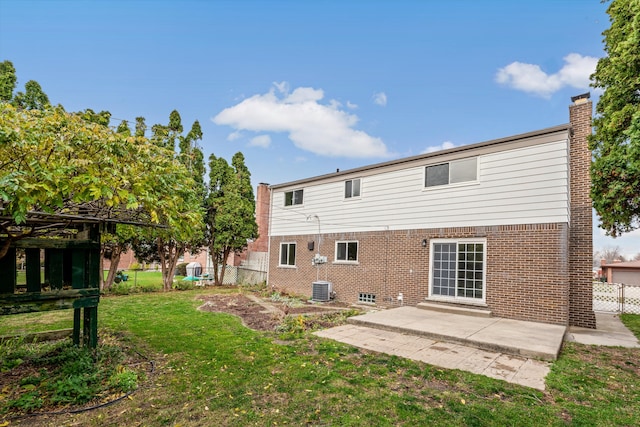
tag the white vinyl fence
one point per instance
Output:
(616, 297)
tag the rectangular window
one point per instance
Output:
(457, 269)
(464, 170)
(288, 254)
(368, 298)
(293, 198)
(347, 251)
(352, 188)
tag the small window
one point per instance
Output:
(288, 254)
(464, 170)
(347, 251)
(352, 188)
(293, 198)
(368, 298)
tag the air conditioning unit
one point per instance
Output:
(321, 291)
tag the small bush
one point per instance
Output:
(27, 402)
(122, 288)
(150, 287)
(124, 380)
(184, 285)
(181, 269)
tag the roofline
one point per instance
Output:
(625, 264)
(538, 133)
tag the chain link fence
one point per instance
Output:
(616, 297)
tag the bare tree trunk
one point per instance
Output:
(171, 268)
(113, 268)
(163, 266)
(214, 260)
(219, 263)
(169, 253)
(101, 268)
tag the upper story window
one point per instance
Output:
(347, 251)
(352, 188)
(293, 198)
(464, 170)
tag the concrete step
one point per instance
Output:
(519, 338)
(455, 309)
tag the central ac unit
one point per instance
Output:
(321, 291)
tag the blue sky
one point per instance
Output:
(305, 87)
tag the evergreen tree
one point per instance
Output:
(230, 211)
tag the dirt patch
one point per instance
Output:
(253, 315)
(264, 314)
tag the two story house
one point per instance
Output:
(504, 224)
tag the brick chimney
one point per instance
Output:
(261, 244)
(580, 226)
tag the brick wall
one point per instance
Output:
(263, 203)
(525, 268)
(580, 227)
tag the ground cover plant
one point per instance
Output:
(213, 370)
(51, 376)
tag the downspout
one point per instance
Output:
(269, 235)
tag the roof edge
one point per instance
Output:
(537, 133)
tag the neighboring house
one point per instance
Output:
(253, 258)
(621, 272)
(470, 225)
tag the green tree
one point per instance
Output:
(8, 81)
(123, 128)
(615, 143)
(141, 127)
(33, 97)
(52, 161)
(167, 245)
(230, 211)
(102, 118)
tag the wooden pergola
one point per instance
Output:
(62, 267)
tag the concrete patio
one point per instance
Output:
(515, 351)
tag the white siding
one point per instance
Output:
(519, 186)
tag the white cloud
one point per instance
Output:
(380, 99)
(234, 135)
(260, 141)
(312, 126)
(351, 106)
(532, 79)
(444, 146)
(283, 87)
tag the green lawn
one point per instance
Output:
(211, 370)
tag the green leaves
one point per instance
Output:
(55, 161)
(230, 208)
(615, 171)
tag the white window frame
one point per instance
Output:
(455, 298)
(449, 183)
(351, 196)
(293, 197)
(347, 261)
(289, 244)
